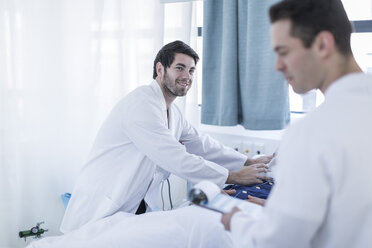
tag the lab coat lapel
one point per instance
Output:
(160, 97)
(152, 194)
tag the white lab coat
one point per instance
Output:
(137, 148)
(323, 193)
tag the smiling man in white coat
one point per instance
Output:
(322, 197)
(143, 140)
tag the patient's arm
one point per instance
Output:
(228, 191)
(226, 218)
(252, 199)
(256, 200)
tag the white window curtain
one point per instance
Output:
(63, 65)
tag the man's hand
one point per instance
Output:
(226, 218)
(260, 160)
(248, 175)
(256, 200)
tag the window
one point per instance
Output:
(199, 45)
(360, 12)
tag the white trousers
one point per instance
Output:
(191, 227)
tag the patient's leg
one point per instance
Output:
(185, 227)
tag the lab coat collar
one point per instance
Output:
(159, 94)
(346, 82)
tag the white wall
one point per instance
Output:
(239, 138)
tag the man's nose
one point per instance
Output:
(279, 65)
(187, 75)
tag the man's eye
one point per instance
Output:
(179, 68)
(282, 53)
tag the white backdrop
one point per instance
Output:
(63, 65)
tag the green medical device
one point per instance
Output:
(35, 231)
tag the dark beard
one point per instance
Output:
(171, 91)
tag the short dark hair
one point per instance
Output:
(310, 17)
(166, 54)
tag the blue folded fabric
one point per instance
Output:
(261, 190)
(65, 199)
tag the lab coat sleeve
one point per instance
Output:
(147, 129)
(298, 202)
(210, 149)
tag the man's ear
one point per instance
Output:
(325, 44)
(159, 69)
